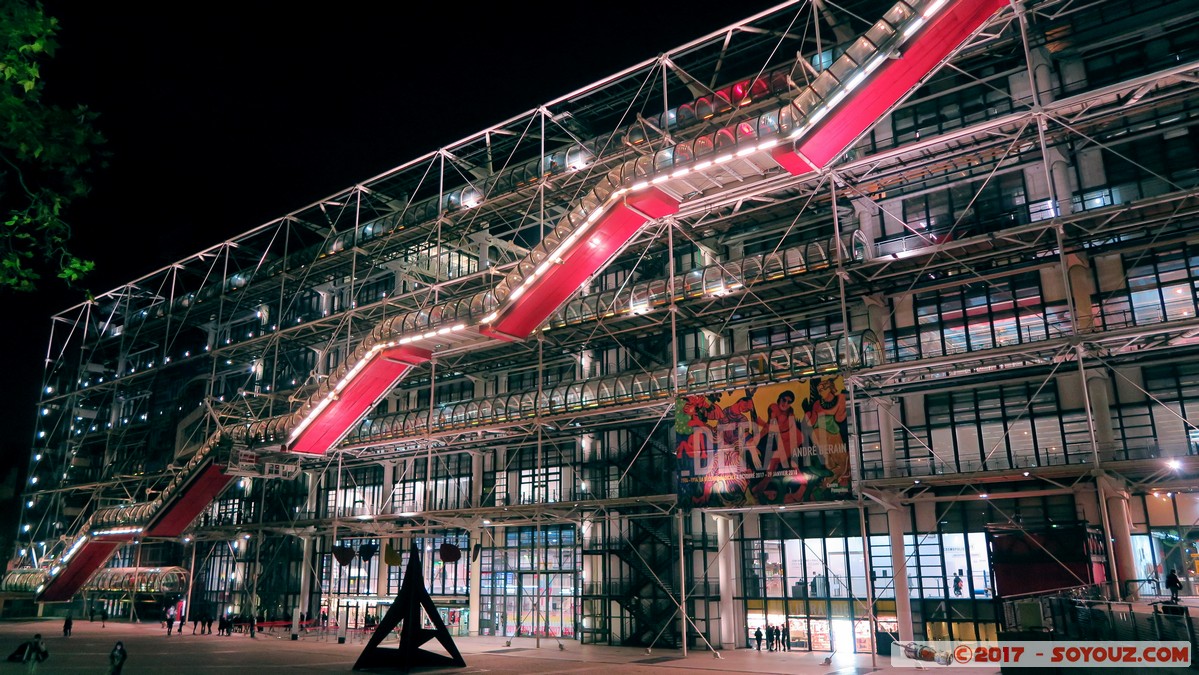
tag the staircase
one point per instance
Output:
(649, 594)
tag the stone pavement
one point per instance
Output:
(151, 652)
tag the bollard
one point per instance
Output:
(295, 624)
(341, 634)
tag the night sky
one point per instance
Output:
(223, 116)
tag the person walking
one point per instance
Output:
(1174, 584)
(103, 616)
(170, 619)
(35, 653)
(758, 637)
(117, 658)
(208, 624)
(957, 585)
(196, 623)
(67, 623)
(787, 637)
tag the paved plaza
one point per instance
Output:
(152, 653)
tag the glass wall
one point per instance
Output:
(807, 574)
(529, 582)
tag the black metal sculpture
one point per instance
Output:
(407, 609)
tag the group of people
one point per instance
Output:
(203, 624)
(92, 613)
(34, 652)
(224, 625)
(778, 638)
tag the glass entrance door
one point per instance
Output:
(545, 606)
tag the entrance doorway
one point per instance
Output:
(843, 640)
(544, 605)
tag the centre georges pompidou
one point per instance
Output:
(795, 325)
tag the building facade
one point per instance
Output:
(960, 237)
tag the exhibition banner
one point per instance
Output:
(776, 444)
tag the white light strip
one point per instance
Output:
(120, 530)
(933, 9)
(74, 547)
(332, 395)
(556, 255)
(835, 99)
(856, 80)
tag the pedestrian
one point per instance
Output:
(103, 616)
(35, 653)
(758, 637)
(208, 624)
(769, 638)
(67, 623)
(787, 636)
(957, 585)
(170, 620)
(195, 623)
(1174, 584)
(116, 658)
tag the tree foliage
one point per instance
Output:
(47, 154)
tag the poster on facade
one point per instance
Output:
(776, 444)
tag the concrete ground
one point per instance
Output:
(151, 652)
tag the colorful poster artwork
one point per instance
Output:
(777, 444)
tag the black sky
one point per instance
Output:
(223, 116)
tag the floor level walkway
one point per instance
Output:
(151, 652)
